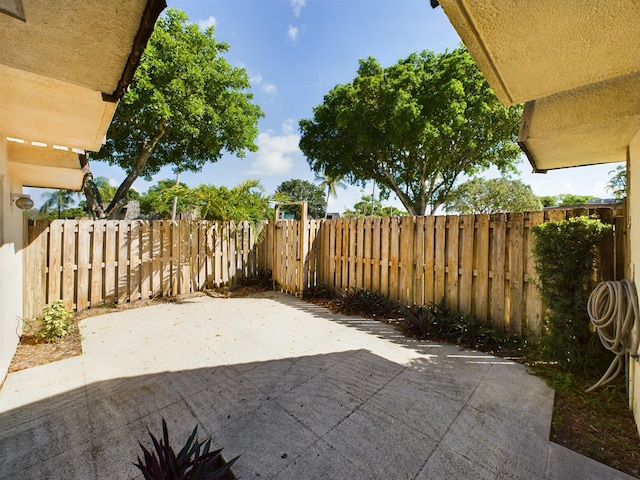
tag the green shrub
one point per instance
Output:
(367, 303)
(437, 322)
(194, 461)
(320, 291)
(55, 321)
(259, 279)
(565, 256)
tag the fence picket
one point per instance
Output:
(440, 258)
(430, 260)
(406, 259)
(467, 224)
(516, 271)
(69, 262)
(384, 255)
(376, 252)
(453, 254)
(84, 262)
(418, 296)
(481, 290)
(134, 261)
(497, 273)
(533, 307)
(122, 278)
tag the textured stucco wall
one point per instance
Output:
(11, 226)
(634, 241)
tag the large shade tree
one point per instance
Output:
(186, 107)
(495, 195)
(303, 191)
(369, 206)
(413, 128)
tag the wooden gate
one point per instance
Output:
(290, 251)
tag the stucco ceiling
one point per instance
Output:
(63, 69)
(575, 62)
(85, 43)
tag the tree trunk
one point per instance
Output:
(120, 198)
(174, 208)
(91, 192)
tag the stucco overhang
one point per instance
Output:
(588, 125)
(48, 166)
(576, 60)
(63, 70)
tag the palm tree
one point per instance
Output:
(58, 200)
(246, 201)
(330, 183)
(107, 191)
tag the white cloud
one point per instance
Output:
(289, 126)
(270, 88)
(297, 5)
(206, 23)
(276, 152)
(292, 33)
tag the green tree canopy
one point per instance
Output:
(368, 206)
(565, 200)
(617, 185)
(246, 201)
(186, 106)
(492, 196)
(413, 127)
(159, 198)
(56, 203)
(300, 191)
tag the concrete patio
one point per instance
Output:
(298, 392)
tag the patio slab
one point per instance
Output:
(296, 391)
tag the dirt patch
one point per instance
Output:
(598, 425)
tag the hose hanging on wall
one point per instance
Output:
(613, 309)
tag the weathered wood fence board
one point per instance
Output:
(87, 263)
(477, 264)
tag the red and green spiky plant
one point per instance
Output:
(193, 462)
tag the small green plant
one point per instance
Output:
(259, 279)
(55, 321)
(565, 257)
(437, 322)
(194, 461)
(367, 303)
(320, 291)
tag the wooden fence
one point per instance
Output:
(476, 264)
(89, 263)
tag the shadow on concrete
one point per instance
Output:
(331, 397)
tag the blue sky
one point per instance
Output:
(296, 51)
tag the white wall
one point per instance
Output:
(633, 179)
(11, 231)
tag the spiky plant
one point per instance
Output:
(193, 462)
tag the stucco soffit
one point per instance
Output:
(47, 177)
(531, 50)
(51, 111)
(585, 126)
(51, 156)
